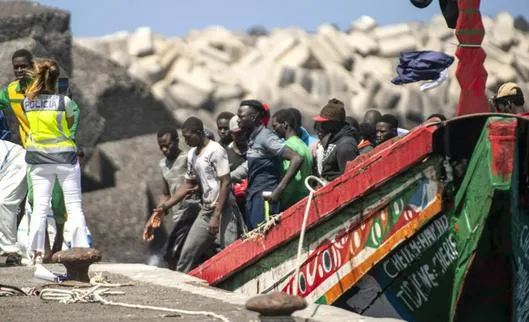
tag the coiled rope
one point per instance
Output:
(96, 294)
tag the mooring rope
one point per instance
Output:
(303, 228)
(261, 230)
(96, 294)
(8, 290)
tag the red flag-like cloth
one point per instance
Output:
(470, 72)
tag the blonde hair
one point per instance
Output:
(44, 76)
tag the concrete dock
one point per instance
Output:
(152, 286)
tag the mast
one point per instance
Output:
(471, 72)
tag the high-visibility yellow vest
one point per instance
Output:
(49, 139)
(16, 98)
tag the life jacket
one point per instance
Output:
(49, 137)
(16, 99)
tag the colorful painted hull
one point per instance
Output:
(356, 237)
(363, 175)
(394, 237)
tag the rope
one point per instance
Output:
(8, 290)
(303, 228)
(262, 229)
(159, 308)
(95, 295)
(462, 45)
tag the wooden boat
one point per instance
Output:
(411, 230)
(433, 226)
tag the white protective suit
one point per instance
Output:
(13, 188)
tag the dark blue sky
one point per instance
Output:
(177, 17)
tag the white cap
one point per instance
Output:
(234, 124)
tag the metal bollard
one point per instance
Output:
(277, 307)
(77, 261)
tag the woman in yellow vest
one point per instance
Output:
(51, 155)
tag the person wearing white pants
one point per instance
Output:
(12, 191)
(43, 177)
(51, 155)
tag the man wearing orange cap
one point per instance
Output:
(510, 100)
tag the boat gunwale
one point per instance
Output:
(223, 265)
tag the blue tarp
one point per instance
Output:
(421, 65)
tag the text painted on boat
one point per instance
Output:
(415, 289)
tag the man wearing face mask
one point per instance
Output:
(337, 143)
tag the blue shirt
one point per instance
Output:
(306, 137)
(264, 160)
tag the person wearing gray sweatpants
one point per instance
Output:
(219, 218)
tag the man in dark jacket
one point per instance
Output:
(337, 143)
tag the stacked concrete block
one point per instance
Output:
(213, 68)
(504, 34)
(141, 43)
(362, 43)
(148, 69)
(363, 24)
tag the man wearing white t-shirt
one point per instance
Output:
(219, 218)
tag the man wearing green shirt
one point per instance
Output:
(11, 97)
(284, 124)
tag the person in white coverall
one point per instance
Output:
(13, 188)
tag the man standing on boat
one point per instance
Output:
(285, 126)
(510, 100)
(386, 128)
(373, 117)
(368, 135)
(219, 218)
(265, 153)
(337, 144)
(302, 133)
